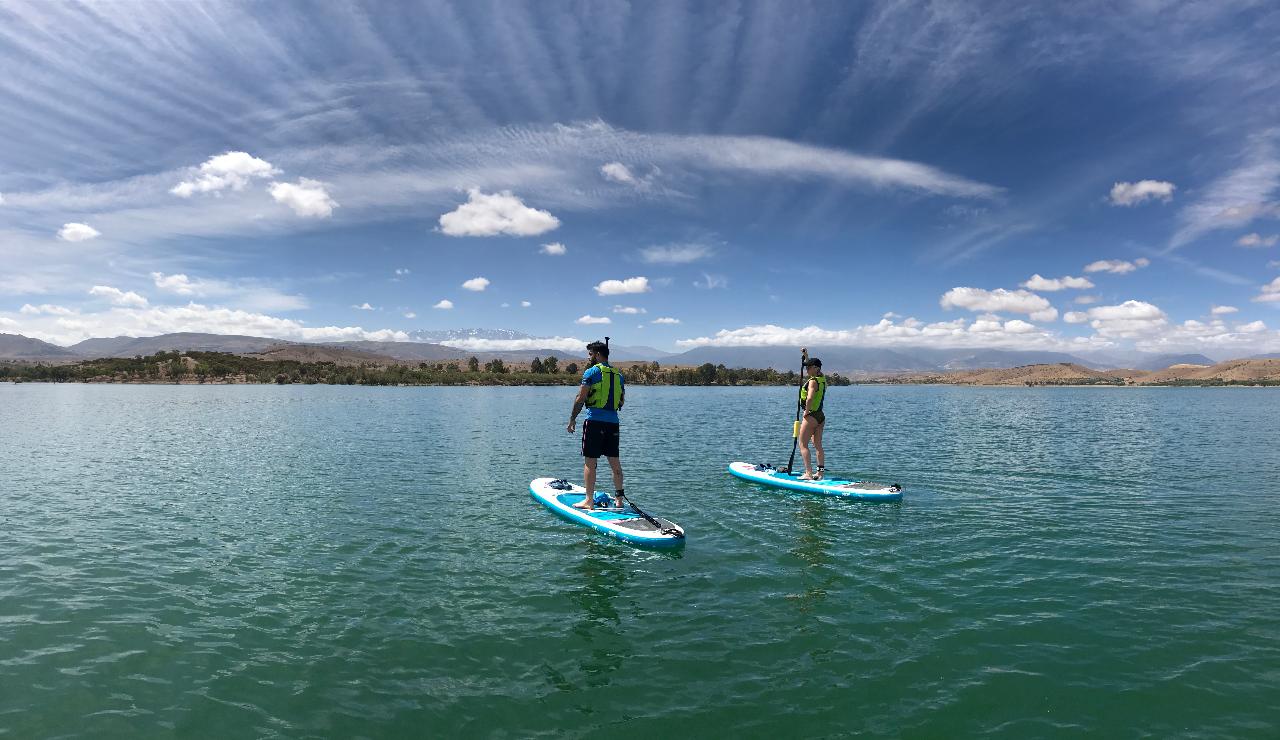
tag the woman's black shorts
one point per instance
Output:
(599, 438)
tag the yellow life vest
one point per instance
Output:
(606, 394)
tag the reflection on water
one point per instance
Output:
(812, 547)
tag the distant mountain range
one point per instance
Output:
(845, 360)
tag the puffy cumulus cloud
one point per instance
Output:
(1117, 267)
(525, 304)
(1000, 301)
(985, 331)
(628, 310)
(1127, 320)
(1075, 317)
(1258, 240)
(1085, 300)
(476, 284)
(178, 283)
(45, 309)
(1051, 285)
(308, 198)
(410, 315)
(1213, 337)
(1270, 292)
(234, 170)
(498, 213)
(1133, 193)
(665, 320)
(555, 249)
(445, 304)
(6, 321)
(194, 317)
(618, 172)
(118, 297)
(364, 307)
(676, 254)
(1223, 310)
(571, 345)
(622, 287)
(589, 319)
(76, 232)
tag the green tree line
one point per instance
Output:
(221, 367)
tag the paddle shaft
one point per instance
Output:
(795, 436)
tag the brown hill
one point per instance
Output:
(1231, 371)
(320, 353)
(1063, 373)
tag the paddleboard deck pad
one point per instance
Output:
(622, 523)
(771, 476)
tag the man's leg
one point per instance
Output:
(589, 482)
(616, 465)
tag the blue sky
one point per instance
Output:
(1037, 176)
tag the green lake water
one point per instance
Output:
(310, 561)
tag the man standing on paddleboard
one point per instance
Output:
(602, 393)
(812, 393)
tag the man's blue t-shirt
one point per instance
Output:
(591, 377)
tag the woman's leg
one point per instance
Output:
(806, 433)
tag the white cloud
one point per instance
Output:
(589, 319)
(554, 249)
(307, 199)
(248, 294)
(1133, 193)
(1253, 327)
(47, 309)
(675, 254)
(1270, 292)
(1223, 310)
(194, 317)
(230, 170)
(118, 297)
(499, 213)
(410, 315)
(1051, 285)
(74, 232)
(1127, 320)
(571, 345)
(986, 331)
(1, 199)
(620, 287)
(618, 172)
(711, 282)
(1075, 317)
(1238, 197)
(1085, 300)
(476, 284)
(402, 271)
(364, 307)
(1258, 240)
(525, 304)
(444, 304)
(1116, 267)
(6, 321)
(628, 310)
(1000, 300)
(665, 320)
(178, 283)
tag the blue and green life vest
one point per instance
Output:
(607, 394)
(820, 395)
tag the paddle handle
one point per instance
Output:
(795, 429)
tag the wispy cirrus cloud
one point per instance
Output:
(677, 253)
(1237, 198)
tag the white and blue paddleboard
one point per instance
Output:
(622, 523)
(771, 476)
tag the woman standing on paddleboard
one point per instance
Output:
(812, 393)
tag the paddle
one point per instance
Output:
(795, 426)
(671, 531)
